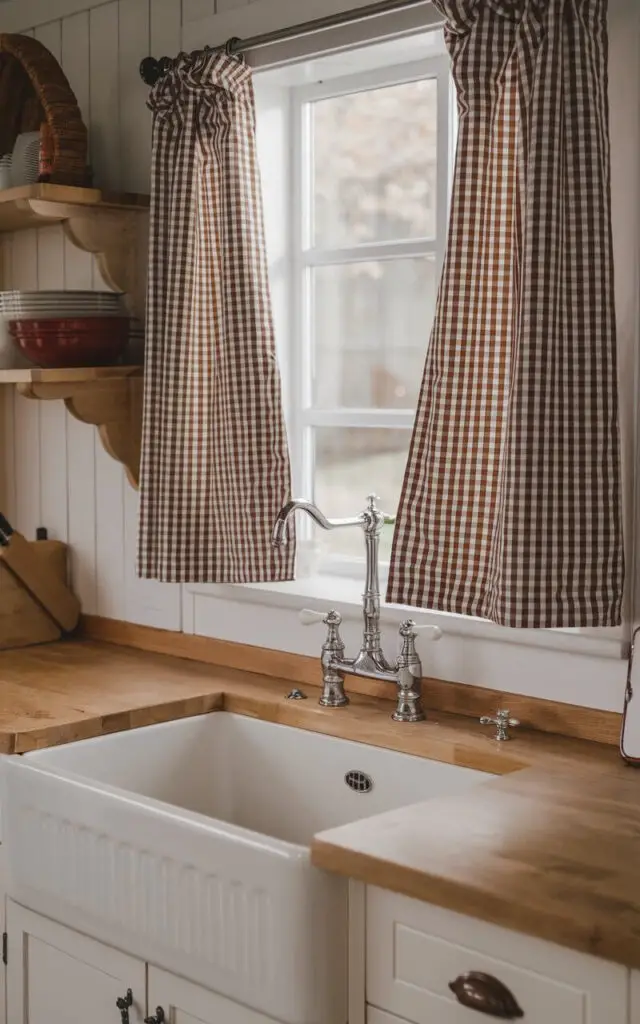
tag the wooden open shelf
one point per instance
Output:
(109, 397)
(32, 206)
(114, 228)
(71, 375)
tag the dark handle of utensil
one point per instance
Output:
(484, 993)
(158, 1019)
(6, 529)
(123, 1003)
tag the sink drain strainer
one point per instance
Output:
(359, 782)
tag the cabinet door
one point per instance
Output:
(55, 974)
(182, 1002)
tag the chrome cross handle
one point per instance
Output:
(502, 723)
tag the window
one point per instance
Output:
(368, 182)
(303, 246)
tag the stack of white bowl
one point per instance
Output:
(18, 305)
(6, 180)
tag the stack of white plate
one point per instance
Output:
(18, 305)
(46, 305)
(25, 163)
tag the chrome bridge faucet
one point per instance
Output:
(370, 660)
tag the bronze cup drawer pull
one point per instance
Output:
(486, 994)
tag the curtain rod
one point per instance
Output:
(151, 69)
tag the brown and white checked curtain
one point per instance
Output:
(511, 506)
(215, 463)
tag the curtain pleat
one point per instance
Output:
(215, 462)
(511, 506)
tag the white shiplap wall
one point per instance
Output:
(56, 471)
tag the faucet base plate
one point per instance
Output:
(409, 716)
(334, 700)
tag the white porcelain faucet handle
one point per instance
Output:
(430, 632)
(408, 628)
(309, 617)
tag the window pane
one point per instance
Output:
(371, 329)
(374, 165)
(350, 463)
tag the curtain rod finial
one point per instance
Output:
(149, 70)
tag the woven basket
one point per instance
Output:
(47, 97)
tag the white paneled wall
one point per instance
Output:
(56, 472)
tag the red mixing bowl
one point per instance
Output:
(75, 323)
(93, 341)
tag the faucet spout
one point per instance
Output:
(279, 535)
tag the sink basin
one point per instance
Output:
(187, 844)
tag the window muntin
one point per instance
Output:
(370, 174)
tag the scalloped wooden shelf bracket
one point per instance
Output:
(117, 238)
(119, 241)
(113, 405)
(114, 227)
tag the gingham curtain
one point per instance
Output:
(511, 506)
(215, 463)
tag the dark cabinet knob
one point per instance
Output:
(123, 1003)
(159, 1017)
(486, 994)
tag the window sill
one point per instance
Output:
(343, 593)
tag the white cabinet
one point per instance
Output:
(57, 976)
(182, 1002)
(415, 950)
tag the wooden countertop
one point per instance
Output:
(550, 848)
(69, 690)
(545, 852)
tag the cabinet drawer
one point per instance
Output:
(414, 950)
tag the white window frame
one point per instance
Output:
(581, 666)
(302, 415)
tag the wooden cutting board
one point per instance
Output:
(23, 621)
(51, 591)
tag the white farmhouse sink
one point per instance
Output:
(187, 844)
